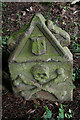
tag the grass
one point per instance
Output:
(61, 115)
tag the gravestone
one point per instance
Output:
(40, 63)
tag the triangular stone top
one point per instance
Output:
(41, 41)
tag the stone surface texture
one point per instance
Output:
(40, 63)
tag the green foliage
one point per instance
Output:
(61, 113)
(4, 5)
(74, 86)
(4, 39)
(3, 42)
(74, 77)
(3, 13)
(74, 36)
(68, 115)
(48, 16)
(19, 20)
(76, 74)
(56, 21)
(76, 47)
(63, 7)
(48, 113)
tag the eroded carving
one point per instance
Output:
(40, 73)
(61, 35)
(38, 45)
(49, 68)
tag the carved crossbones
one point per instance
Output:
(37, 86)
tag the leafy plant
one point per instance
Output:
(3, 13)
(74, 77)
(61, 113)
(19, 20)
(3, 43)
(4, 5)
(74, 86)
(48, 113)
(68, 115)
(76, 74)
(65, 7)
(4, 40)
(74, 36)
(76, 47)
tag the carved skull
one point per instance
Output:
(40, 73)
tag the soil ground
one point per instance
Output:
(16, 15)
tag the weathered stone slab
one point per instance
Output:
(41, 64)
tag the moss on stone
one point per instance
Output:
(40, 62)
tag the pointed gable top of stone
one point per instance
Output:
(41, 36)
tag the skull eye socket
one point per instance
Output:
(42, 77)
(44, 74)
(42, 43)
(38, 74)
